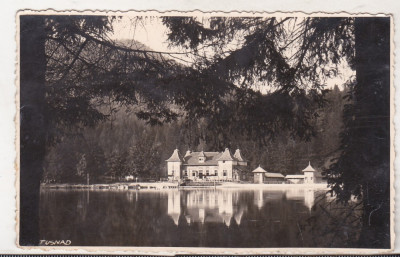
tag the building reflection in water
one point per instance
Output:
(202, 217)
(309, 198)
(174, 205)
(306, 195)
(259, 198)
(222, 206)
(82, 205)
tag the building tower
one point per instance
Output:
(259, 174)
(225, 165)
(174, 164)
(309, 176)
(240, 160)
(188, 153)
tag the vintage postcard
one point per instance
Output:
(195, 132)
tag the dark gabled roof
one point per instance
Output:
(210, 158)
(226, 156)
(175, 157)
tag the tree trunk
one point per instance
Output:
(32, 124)
(372, 127)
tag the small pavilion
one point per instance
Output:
(259, 175)
(309, 174)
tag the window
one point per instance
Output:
(207, 172)
(224, 173)
(186, 173)
(223, 161)
(194, 174)
(215, 172)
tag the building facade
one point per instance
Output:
(206, 166)
(308, 176)
(258, 175)
(261, 176)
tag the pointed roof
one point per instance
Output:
(226, 219)
(201, 154)
(188, 152)
(238, 155)
(259, 169)
(175, 157)
(175, 218)
(226, 156)
(238, 217)
(309, 168)
(188, 219)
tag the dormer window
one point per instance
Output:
(202, 157)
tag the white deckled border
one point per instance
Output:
(187, 250)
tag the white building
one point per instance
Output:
(308, 176)
(206, 165)
(295, 179)
(261, 176)
(258, 175)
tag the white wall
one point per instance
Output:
(295, 180)
(174, 170)
(309, 177)
(227, 165)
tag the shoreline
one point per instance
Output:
(174, 186)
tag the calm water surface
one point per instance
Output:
(206, 217)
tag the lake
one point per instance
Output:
(195, 218)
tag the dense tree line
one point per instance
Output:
(125, 145)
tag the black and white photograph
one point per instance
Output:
(205, 130)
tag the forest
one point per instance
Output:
(125, 145)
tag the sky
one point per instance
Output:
(151, 32)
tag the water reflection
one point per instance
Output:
(206, 217)
(305, 195)
(206, 206)
(82, 205)
(220, 206)
(174, 206)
